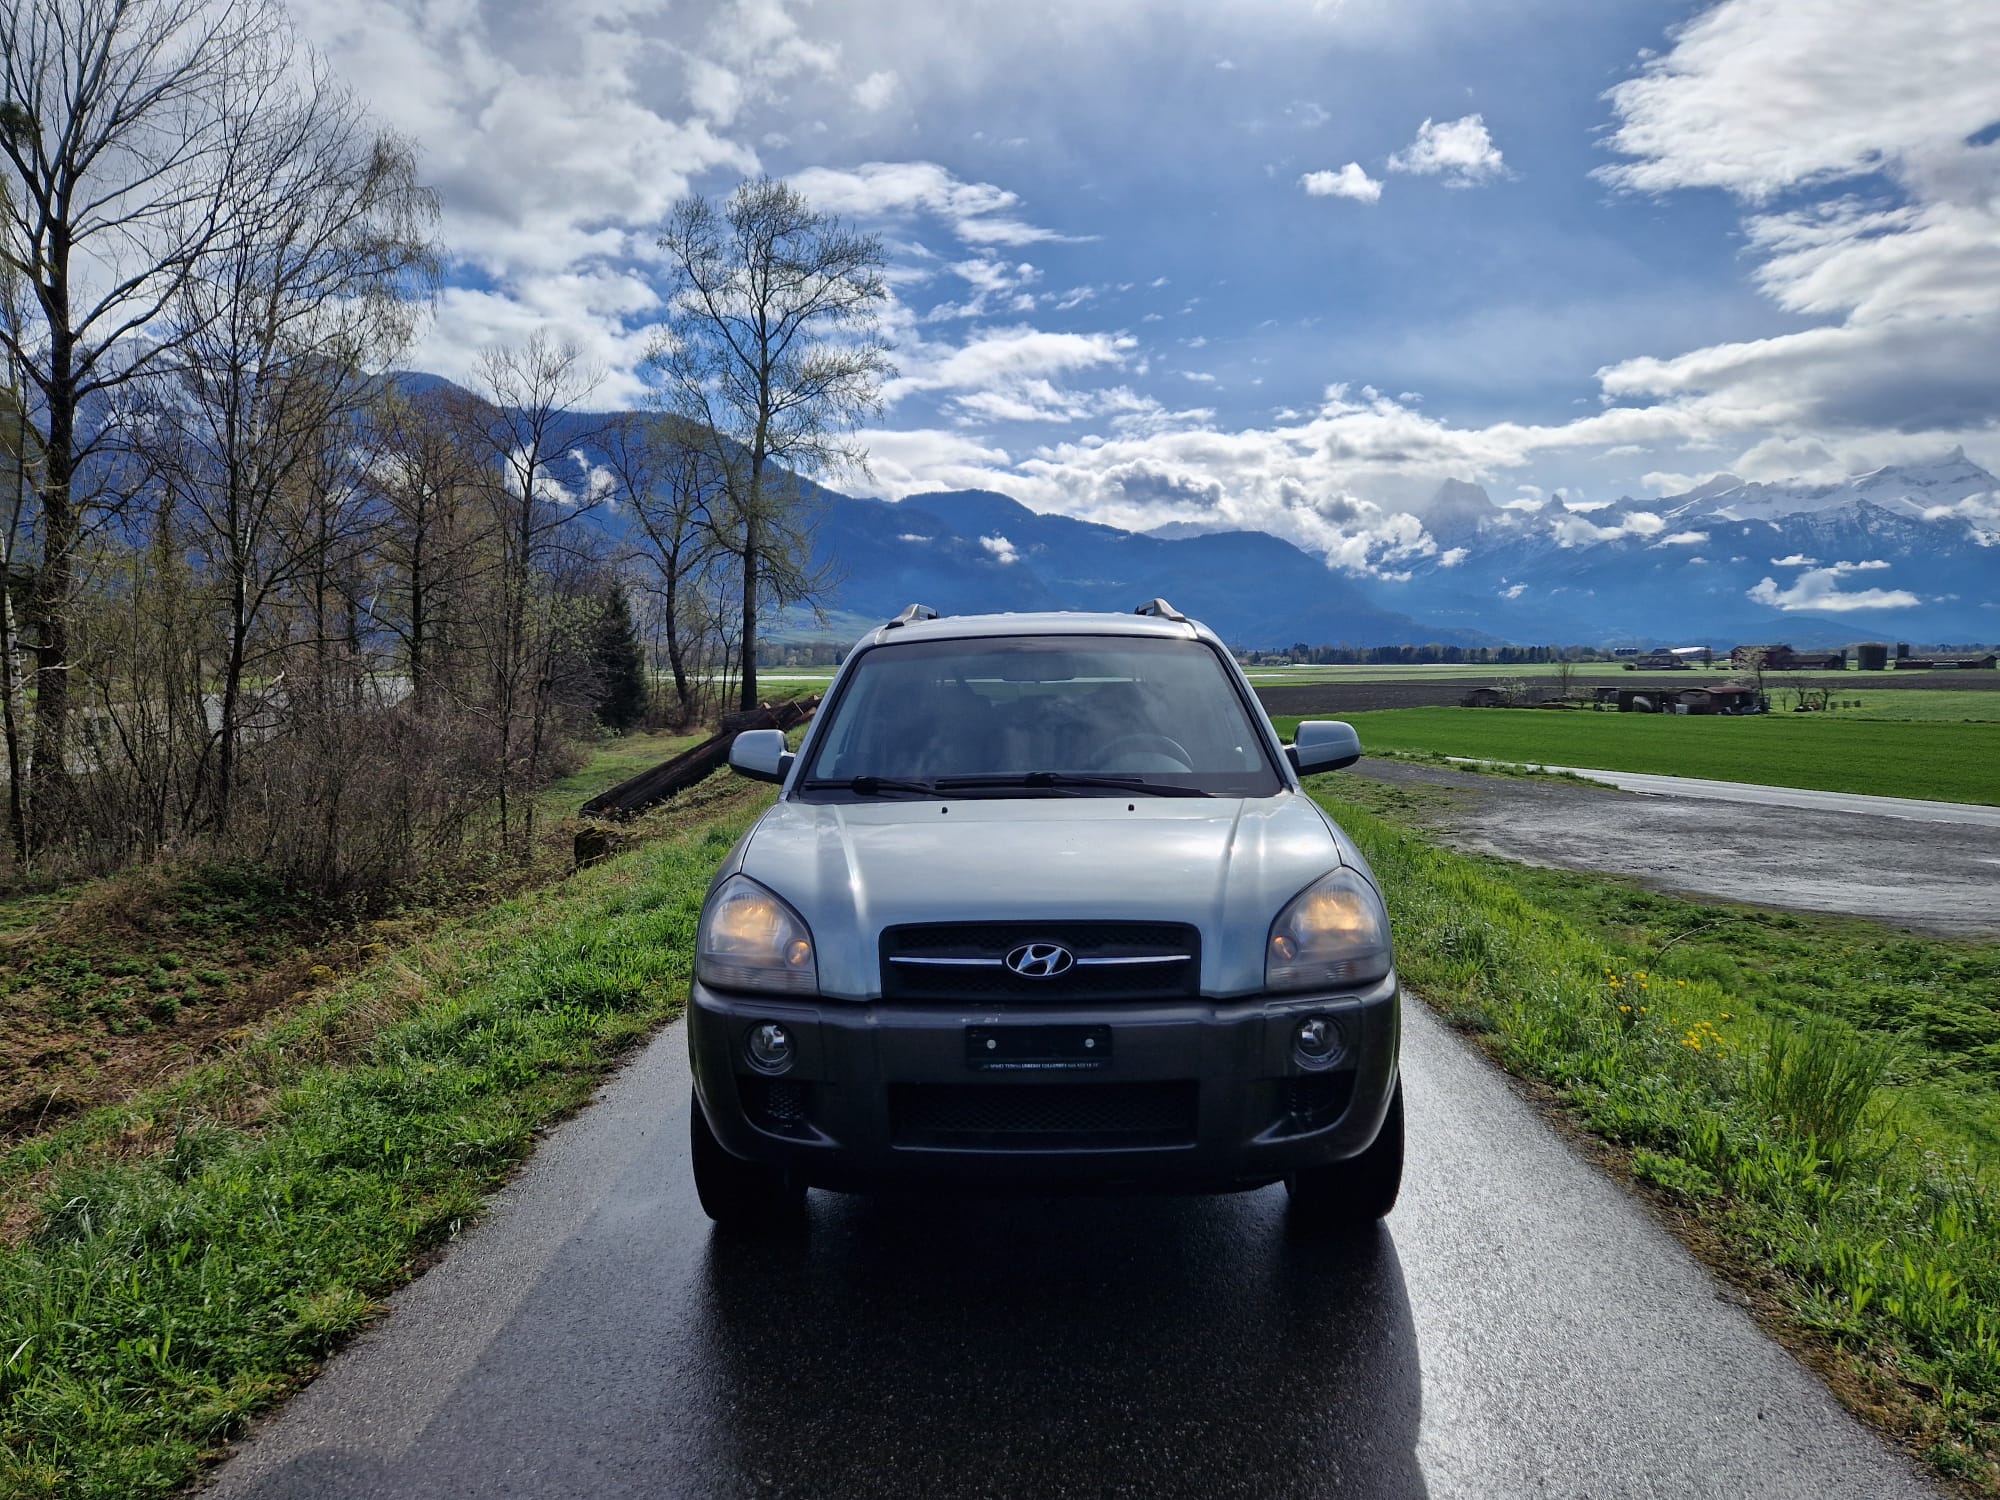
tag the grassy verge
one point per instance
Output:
(199, 1247)
(1814, 1101)
(1947, 762)
(113, 985)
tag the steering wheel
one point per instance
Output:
(1158, 743)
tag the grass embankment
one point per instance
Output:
(1816, 1101)
(1945, 762)
(197, 1248)
(114, 985)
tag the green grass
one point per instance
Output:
(201, 1247)
(1922, 705)
(1948, 762)
(610, 761)
(1821, 1099)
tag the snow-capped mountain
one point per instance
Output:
(1906, 489)
(1908, 552)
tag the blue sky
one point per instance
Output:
(1287, 263)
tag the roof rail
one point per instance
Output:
(1160, 609)
(911, 615)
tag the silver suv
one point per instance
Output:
(1041, 905)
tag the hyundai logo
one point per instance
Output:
(1040, 960)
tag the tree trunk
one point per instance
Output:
(747, 698)
(49, 766)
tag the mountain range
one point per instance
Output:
(1908, 552)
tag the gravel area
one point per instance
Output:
(1932, 877)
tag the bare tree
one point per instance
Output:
(668, 479)
(127, 126)
(771, 356)
(529, 433)
(429, 542)
(315, 290)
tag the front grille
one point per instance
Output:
(1115, 961)
(1043, 1116)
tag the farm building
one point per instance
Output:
(1785, 659)
(1730, 699)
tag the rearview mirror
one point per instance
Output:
(1323, 745)
(761, 755)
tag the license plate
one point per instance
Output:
(1024, 1049)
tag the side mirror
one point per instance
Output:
(761, 755)
(1323, 745)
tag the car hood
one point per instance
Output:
(1224, 865)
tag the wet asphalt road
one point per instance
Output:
(1521, 1328)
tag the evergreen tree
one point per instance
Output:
(620, 664)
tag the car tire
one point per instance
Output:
(738, 1194)
(1357, 1192)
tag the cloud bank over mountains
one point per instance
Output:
(1165, 263)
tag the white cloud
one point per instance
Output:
(1001, 549)
(875, 91)
(1452, 557)
(905, 463)
(1981, 514)
(1796, 560)
(1514, 591)
(1008, 373)
(1819, 591)
(911, 536)
(1759, 96)
(1462, 151)
(1763, 97)
(1684, 539)
(1349, 182)
(977, 212)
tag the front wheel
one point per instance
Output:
(1357, 1191)
(737, 1194)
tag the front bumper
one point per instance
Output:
(1196, 1095)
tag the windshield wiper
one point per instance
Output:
(874, 786)
(1067, 780)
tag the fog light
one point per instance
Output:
(771, 1048)
(1317, 1041)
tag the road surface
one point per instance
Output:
(1521, 1328)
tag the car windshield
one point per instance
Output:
(1064, 715)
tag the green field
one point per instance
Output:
(1942, 761)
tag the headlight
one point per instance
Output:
(750, 940)
(1333, 933)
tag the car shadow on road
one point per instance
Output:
(1074, 1346)
(927, 1348)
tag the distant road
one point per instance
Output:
(1914, 809)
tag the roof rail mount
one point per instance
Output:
(911, 615)
(1160, 609)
